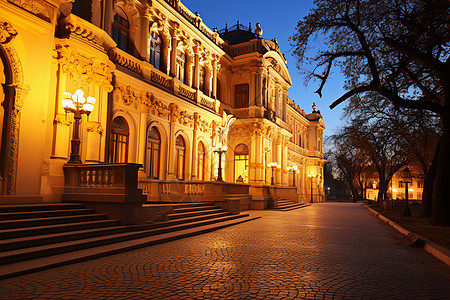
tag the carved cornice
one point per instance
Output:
(39, 8)
(88, 31)
(83, 69)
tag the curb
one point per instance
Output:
(441, 253)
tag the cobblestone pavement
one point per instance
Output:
(325, 251)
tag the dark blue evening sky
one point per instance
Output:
(278, 20)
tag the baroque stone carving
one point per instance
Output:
(158, 108)
(128, 95)
(61, 119)
(40, 8)
(94, 127)
(7, 33)
(83, 69)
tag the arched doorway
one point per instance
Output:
(180, 151)
(153, 153)
(119, 141)
(11, 99)
(241, 155)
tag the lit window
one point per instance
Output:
(119, 141)
(155, 50)
(153, 153)
(180, 148)
(181, 64)
(120, 29)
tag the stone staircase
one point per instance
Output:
(287, 205)
(35, 237)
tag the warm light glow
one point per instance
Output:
(77, 101)
(411, 190)
(274, 164)
(394, 190)
(293, 168)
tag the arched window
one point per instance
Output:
(153, 153)
(180, 150)
(202, 79)
(241, 155)
(120, 29)
(119, 141)
(201, 161)
(155, 49)
(181, 65)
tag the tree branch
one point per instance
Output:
(360, 89)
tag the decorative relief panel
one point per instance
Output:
(83, 69)
(128, 95)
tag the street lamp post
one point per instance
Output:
(293, 169)
(78, 105)
(220, 149)
(312, 177)
(273, 165)
(407, 178)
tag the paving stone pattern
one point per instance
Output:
(325, 251)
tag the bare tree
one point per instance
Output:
(397, 49)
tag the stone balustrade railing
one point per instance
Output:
(101, 178)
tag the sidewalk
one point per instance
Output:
(324, 251)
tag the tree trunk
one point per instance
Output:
(382, 190)
(440, 212)
(427, 196)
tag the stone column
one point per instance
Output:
(196, 68)
(258, 89)
(167, 40)
(109, 16)
(279, 160)
(145, 38)
(285, 173)
(142, 134)
(189, 64)
(173, 57)
(215, 67)
(194, 170)
(208, 81)
(171, 147)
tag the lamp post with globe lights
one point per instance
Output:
(220, 149)
(78, 105)
(274, 165)
(312, 177)
(294, 169)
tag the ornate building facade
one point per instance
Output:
(162, 81)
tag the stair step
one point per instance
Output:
(193, 209)
(188, 219)
(25, 267)
(9, 224)
(291, 207)
(181, 215)
(44, 213)
(13, 256)
(47, 229)
(44, 239)
(34, 207)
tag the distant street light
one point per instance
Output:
(220, 149)
(294, 169)
(78, 105)
(274, 165)
(407, 178)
